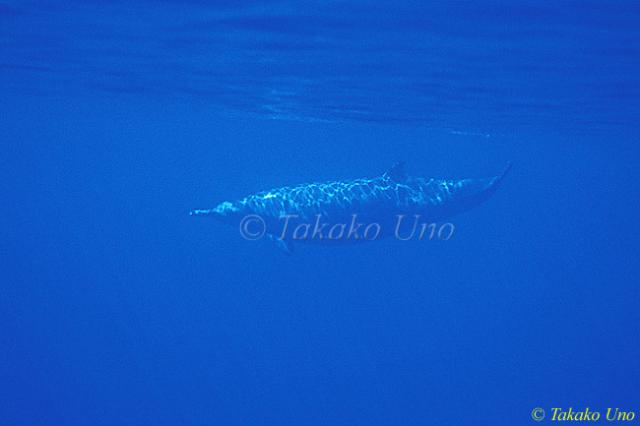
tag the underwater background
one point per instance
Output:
(117, 118)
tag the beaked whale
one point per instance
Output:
(279, 213)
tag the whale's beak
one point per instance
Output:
(226, 212)
(206, 212)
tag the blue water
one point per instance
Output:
(117, 118)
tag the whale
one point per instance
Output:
(354, 210)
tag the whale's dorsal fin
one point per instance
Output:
(396, 173)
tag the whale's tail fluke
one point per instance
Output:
(488, 186)
(498, 179)
(468, 193)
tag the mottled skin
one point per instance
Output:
(380, 199)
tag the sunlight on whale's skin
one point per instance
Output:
(379, 200)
